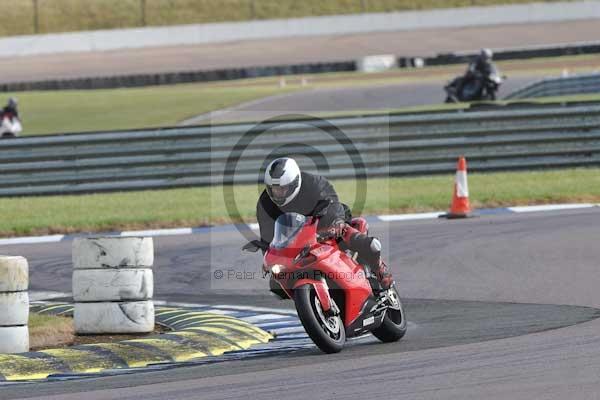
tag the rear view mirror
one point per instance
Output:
(255, 245)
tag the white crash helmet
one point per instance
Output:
(487, 54)
(283, 180)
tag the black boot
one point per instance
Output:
(384, 275)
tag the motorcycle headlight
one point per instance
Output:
(276, 269)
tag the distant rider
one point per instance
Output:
(10, 110)
(480, 68)
(289, 190)
(10, 124)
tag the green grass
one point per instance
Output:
(202, 206)
(45, 321)
(49, 330)
(93, 110)
(17, 17)
(46, 112)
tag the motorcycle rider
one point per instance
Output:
(482, 64)
(11, 108)
(10, 125)
(479, 69)
(290, 190)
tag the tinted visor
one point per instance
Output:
(279, 194)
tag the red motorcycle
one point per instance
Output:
(335, 296)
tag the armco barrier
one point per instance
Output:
(113, 285)
(172, 78)
(578, 84)
(14, 304)
(512, 54)
(496, 139)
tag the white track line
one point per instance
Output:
(32, 240)
(293, 329)
(551, 207)
(40, 295)
(159, 232)
(264, 318)
(410, 217)
(258, 309)
(254, 226)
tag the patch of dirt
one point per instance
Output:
(63, 336)
(110, 337)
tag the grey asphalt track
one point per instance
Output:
(484, 280)
(463, 267)
(369, 98)
(293, 50)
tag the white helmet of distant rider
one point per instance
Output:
(487, 54)
(283, 180)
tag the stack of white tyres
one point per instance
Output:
(14, 304)
(113, 285)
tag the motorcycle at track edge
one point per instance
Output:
(476, 88)
(335, 296)
(10, 126)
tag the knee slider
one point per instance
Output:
(375, 245)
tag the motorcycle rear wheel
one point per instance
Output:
(327, 332)
(394, 323)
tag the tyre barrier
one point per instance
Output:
(377, 63)
(194, 337)
(14, 304)
(113, 285)
(114, 317)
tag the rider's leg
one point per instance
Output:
(369, 251)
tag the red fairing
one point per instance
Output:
(320, 289)
(297, 267)
(348, 275)
(360, 224)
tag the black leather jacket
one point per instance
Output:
(11, 111)
(313, 189)
(480, 67)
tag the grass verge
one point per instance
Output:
(54, 331)
(45, 112)
(50, 330)
(205, 206)
(112, 109)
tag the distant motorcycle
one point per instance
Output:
(10, 126)
(476, 88)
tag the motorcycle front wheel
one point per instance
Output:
(394, 323)
(491, 95)
(327, 332)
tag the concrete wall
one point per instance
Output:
(269, 29)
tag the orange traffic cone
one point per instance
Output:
(460, 207)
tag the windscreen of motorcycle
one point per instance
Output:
(287, 226)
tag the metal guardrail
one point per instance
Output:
(579, 84)
(386, 144)
(524, 53)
